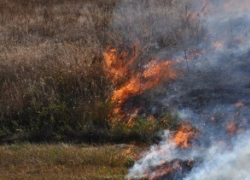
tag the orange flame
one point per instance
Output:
(231, 128)
(130, 152)
(161, 171)
(118, 67)
(183, 136)
(181, 140)
(152, 76)
(239, 104)
(132, 117)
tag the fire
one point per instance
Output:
(118, 67)
(161, 171)
(152, 76)
(132, 117)
(183, 136)
(128, 151)
(167, 170)
(231, 128)
(193, 53)
(239, 104)
(218, 118)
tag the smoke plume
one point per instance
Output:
(211, 40)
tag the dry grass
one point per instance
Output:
(52, 82)
(44, 43)
(63, 161)
(51, 76)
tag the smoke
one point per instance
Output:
(232, 164)
(158, 26)
(220, 161)
(211, 39)
(164, 152)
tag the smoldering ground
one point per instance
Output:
(211, 40)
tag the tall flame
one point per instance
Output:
(154, 74)
(117, 64)
(118, 67)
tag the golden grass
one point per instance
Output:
(51, 65)
(52, 83)
(63, 161)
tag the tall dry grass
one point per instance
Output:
(52, 85)
(51, 76)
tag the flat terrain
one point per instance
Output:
(65, 161)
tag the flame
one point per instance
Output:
(152, 76)
(183, 136)
(128, 151)
(118, 67)
(193, 53)
(239, 104)
(161, 171)
(231, 128)
(167, 168)
(131, 118)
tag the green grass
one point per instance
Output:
(65, 161)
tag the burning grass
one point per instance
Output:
(184, 136)
(62, 75)
(88, 71)
(119, 67)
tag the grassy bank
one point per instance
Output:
(64, 161)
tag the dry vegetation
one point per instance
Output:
(65, 161)
(53, 86)
(51, 77)
(52, 83)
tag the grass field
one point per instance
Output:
(65, 161)
(53, 84)
(54, 87)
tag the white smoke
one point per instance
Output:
(165, 151)
(155, 24)
(216, 81)
(220, 161)
(231, 164)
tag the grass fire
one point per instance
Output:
(125, 89)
